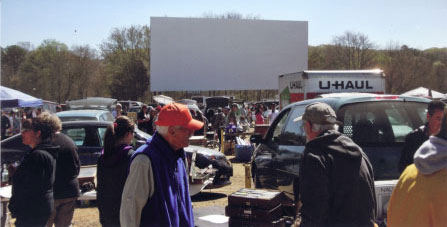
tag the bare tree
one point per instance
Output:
(126, 43)
(354, 50)
(440, 76)
(126, 56)
(84, 64)
(11, 59)
(231, 15)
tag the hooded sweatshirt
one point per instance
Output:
(32, 189)
(431, 156)
(419, 198)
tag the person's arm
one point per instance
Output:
(314, 191)
(138, 189)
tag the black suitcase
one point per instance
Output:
(256, 198)
(254, 213)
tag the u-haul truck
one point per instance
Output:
(303, 85)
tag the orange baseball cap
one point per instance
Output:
(176, 114)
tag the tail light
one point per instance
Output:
(392, 97)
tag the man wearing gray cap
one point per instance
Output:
(336, 178)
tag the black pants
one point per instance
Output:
(36, 221)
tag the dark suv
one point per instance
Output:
(377, 123)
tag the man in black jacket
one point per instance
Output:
(336, 178)
(417, 137)
(66, 185)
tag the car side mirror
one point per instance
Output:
(256, 139)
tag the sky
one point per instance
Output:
(415, 23)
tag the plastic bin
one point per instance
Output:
(243, 153)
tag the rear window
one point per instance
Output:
(381, 122)
(76, 134)
(380, 129)
(86, 136)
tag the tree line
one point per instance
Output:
(405, 68)
(120, 68)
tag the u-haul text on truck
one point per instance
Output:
(303, 85)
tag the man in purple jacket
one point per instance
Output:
(156, 192)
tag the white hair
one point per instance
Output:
(320, 127)
(162, 130)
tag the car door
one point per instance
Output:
(89, 142)
(264, 170)
(287, 157)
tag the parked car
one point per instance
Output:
(201, 101)
(134, 109)
(212, 103)
(96, 103)
(132, 106)
(88, 136)
(377, 123)
(94, 109)
(85, 115)
(191, 104)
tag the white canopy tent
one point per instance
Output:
(425, 92)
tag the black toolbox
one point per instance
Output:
(256, 198)
(255, 207)
(254, 213)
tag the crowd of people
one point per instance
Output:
(13, 120)
(149, 186)
(145, 187)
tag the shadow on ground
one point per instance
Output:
(206, 196)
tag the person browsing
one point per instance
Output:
(112, 169)
(336, 182)
(156, 191)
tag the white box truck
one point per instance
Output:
(303, 85)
